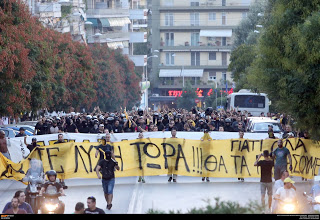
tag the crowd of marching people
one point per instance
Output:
(140, 120)
(173, 120)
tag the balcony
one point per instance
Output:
(138, 37)
(139, 60)
(138, 13)
(105, 13)
(114, 36)
(206, 5)
(51, 9)
(188, 27)
(201, 47)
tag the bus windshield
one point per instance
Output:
(249, 101)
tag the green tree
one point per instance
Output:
(187, 99)
(244, 51)
(287, 65)
(220, 207)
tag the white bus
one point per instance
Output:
(255, 103)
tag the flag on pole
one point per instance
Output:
(127, 117)
(227, 87)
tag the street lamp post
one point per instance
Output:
(182, 69)
(146, 80)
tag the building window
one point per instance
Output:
(194, 19)
(224, 41)
(195, 38)
(195, 58)
(195, 80)
(212, 16)
(169, 40)
(244, 15)
(169, 59)
(169, 19)
(224, 18)
(224, 76)
(212, 75)
(224, 58)
(194, 3)
(224, 2)
(212, 56)
(168, 3)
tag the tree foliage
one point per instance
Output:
(41, 68)
(286, 65)
(187, 99)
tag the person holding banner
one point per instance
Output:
(141, 178)
(206, 137)
(3, 145)
(105, 146)
(281, 154)
(171, 163)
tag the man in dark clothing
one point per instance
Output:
(84, 128)
(104, 146)
(106, 167)
(117, 128)
(60, 139)
(21, 132)
(32, 145)
(266, 176)
(70, 126)
(92, 209)
(227, 125)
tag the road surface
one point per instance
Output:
(131, 197)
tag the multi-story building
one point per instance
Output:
(110, 23)
(121, 24)
(195, 39)
(64, 16)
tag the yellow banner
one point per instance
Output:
(215, 158)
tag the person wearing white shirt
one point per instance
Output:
(285, 194)
(277, 184)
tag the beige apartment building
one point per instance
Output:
(194, 39)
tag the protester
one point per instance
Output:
(266, 177)
(106, 167)
(278, 184)
(285, 194)
(79, 208)
(3, 145)
(33, 145)
(141, 178)
(241, 135)
(105, 146)
(21, 132)
(21, 197)
(92, 208)
(60, 139)
(15, 207)
(206, 137)
(170, 170)
(281, 154)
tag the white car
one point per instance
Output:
(261, 125)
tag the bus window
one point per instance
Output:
(249, 101)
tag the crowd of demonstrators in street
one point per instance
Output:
(173, 120)
(139, 120)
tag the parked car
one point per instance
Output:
(31, 123)
(261, 125)
(10, 133)
(27, 132)
(29, 128)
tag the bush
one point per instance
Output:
(221, 207)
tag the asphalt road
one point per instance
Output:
(131, 197)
